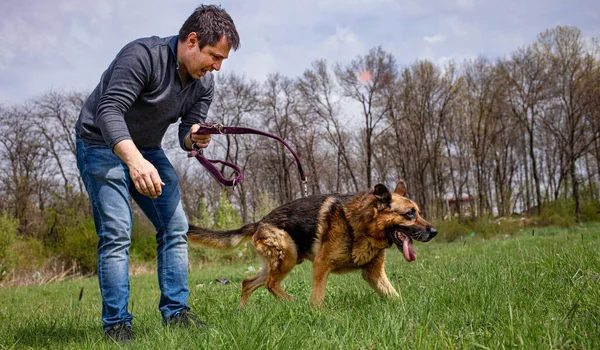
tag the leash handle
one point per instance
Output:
(216, 128)
(208, 164)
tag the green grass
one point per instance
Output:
(538, 291)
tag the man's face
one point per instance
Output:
(196, 62)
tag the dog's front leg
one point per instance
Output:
(321, 271)
(374, 274)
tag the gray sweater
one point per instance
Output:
(141, 94)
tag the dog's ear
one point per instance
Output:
(401, 188)
(382, 194)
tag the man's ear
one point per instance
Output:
(401, 188)
(382, 194)
(192, 40)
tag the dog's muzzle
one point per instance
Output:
(403, 238)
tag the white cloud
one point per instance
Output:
(70, 42)
(457, 26)
(434, 39)
(256, 65)
(343, 45)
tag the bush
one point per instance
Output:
(226, 216)
(203, 216)
(79, 245)
(489, 228)
(8, 235)
(451, 230)
(590, 210)
(265, 205)
(71, 237)
(558, 213)
(29, 253)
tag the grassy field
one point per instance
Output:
(538, 291)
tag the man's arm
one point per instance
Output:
(143, 174)
(128, 74)
(197, 114)
(130, 71)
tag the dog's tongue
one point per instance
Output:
(407, 248)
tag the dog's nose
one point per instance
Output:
(432, 231)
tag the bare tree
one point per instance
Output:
(364, 80)
(571, 66)
(279, 101)
(319, 93)
(480, 98)
(527, 87)
(417, 116)
(26, 173)
(57, 113)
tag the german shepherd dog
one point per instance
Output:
(338, 233)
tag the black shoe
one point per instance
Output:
(120, 332)
(185, 318)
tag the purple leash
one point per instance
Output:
(214, 129)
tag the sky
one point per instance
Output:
(65, 45)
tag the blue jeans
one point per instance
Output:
(110, 187)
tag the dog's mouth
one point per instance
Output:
(405, 245)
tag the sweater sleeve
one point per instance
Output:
(129, 74)
(198, 112)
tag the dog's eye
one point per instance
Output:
(411, 214)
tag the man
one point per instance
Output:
(152, 83)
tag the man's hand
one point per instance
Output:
(200, 140)
(143, 174)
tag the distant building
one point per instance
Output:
(466, 203)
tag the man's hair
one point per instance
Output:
(210, 23)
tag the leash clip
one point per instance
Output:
(305, 186)
(217, 126)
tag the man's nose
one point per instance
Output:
(216, 66)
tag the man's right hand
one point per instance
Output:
(144, 175)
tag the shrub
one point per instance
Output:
(558, 213)
(590, 210)
(265, 205)
(489, 228)
(226, 216)
(451, 230)
(30, 253)
(8, 235)
(204, 216)
(79, 245)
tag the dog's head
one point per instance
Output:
(400, 219)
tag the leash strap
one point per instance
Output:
(215, 129)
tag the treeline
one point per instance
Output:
(473, 139)
(478, 138)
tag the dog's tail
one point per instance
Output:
(220, 239)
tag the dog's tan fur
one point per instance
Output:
(338, 233)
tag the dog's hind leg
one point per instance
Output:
(279, 269)
(250, 284)
(278, 251)
(374, 274)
